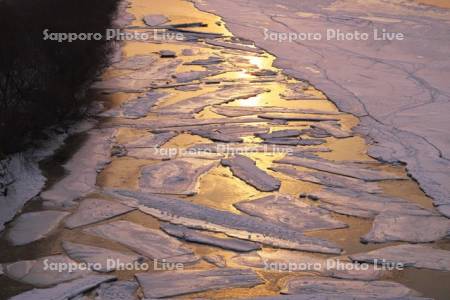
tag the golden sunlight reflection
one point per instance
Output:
(273, 98)
(262, 62)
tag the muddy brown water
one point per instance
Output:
(219, 188)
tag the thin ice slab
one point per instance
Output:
(215, 135)
(167, 54)
(222, 95)
(93, 210)
(177, 283)
(173, 124)
(41, 273)
(150, 140)
(294, 261)
(296, 117)
(349, 288)
(364, 205)
(416, 256)
(287, 211)
(212, 60)
(33, 226)
(155, 20)
(246, 169)
(141, 107)
(104, 260)
(333, 130)
(340, 168)
(192, 76)
(149, 242)
(329, 179)
(196, 236)
(228, 133)
(285, 133)
(136, 62)
(118, 290)
(234, 46)
(395, 227)
(181, 212)
(65, 291)
(239, 111)
(175, 177)
(216, 260)
(254, 148)
(294, 141)
(138, 81)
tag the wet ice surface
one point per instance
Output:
(176, 177)
(95, 210)
(33, 226)
(100, 256)
(175, 283)
(65, 290)
(417, 256)
(197, 236)
(280, 259)
(403, 110)
(151, 243)
(371, 289)
(190, 164)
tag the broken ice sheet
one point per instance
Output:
(416, 256)
(141, 106)
(222, 95)
(351, 288)
(117, 290)
(33, 226)
(418, 228)
(294, 261)
(329, 179)
(154, 20)
(197, 236)
(365, 205)
(181, 212)
(95, 210)
(287, 211)
(246, 169)
(176, 283)
(151, 243)
(67, 290)
(106, 259)
(45, 271)
(340, 168)
(176, 176)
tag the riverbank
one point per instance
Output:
(43, 83)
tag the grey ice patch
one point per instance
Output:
(33, 226)
(151, 243)
(95, 210)
(64, 291)
(175, 283)
(246, 169)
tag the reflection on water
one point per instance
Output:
(272, 98)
